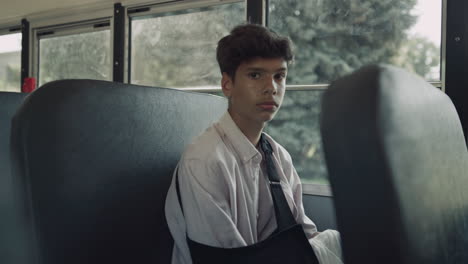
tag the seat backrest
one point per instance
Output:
(12, 248)
(97, 158)
(398, 167)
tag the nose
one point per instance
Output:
(270, 85)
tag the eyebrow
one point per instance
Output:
(264, 70)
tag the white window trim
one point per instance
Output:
(317, 189)
(443, 56)
(309, 87)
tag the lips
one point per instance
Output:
(269, 105)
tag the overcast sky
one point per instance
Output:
(429, 23)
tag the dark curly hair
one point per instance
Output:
(248, 41)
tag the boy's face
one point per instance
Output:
(257, 91)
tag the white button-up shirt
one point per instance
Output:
(225, 194)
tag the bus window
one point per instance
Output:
(10, 62)
(177, 49)
(81, 52)
(303, 141)
(334, 38)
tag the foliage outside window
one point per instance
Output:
(334, 38)
(10, 62)
(77, 56)
(177, 49)
(296, 127)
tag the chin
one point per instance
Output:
(269, 117)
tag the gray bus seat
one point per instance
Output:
(97, 158)
(12, 233)
(398, 167)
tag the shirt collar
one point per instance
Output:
(240, 142)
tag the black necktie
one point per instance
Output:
(284, 217)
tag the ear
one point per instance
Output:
(227, 84)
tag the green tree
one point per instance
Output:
(333, 38)
(420, 56)
(12, 80)
(10, 71)
(13, 74)
(177, 49)
(80, 56)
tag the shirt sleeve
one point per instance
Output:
(309, 227)
(295, 182)
(326, 245)
(206, 195)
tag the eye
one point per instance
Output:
(280, 76)
(254, 75)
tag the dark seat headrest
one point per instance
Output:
(97, 158)
(398, 166)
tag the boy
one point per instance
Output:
(222, 182)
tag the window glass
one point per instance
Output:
(178, 49)
(10, 62)
(78, 56)
(296, 127)
(334, 38)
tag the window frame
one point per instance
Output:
(61, 19)
(456, 57)
(68, 29)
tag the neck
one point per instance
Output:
(252, 130)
